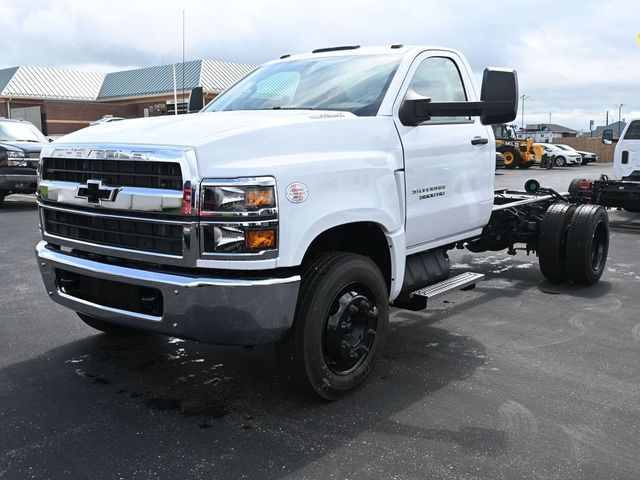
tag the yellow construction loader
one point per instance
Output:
(516, 153)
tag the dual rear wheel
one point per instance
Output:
(573, 243)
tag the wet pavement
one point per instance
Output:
(515, 379)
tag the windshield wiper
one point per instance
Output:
(32, 141)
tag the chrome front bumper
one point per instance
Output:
(211, 310)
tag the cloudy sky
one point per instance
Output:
(575, 59)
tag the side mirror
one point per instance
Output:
(498, 102)
(607, 136)
(196, 100)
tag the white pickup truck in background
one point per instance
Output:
(297, 206)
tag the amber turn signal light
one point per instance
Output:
(261, 197)
(263, 239)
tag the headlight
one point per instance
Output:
(235, 199)
(16, 159)
(239, 216)
(239, 238)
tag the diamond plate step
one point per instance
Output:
(463, 281)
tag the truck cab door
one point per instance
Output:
(626, 159)
(449, 162)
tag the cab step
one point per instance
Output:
(464, 281)
(417, 300)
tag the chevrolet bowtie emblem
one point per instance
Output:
(95, 192)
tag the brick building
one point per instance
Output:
(60, 101)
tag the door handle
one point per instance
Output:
(479, 141)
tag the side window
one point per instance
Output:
(439, 79)
(633, 132)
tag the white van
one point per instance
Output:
(626, 161)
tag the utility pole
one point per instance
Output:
(175, 92)
(620, 118)
(524, 97)
(607, 122)
(549, 117)
(182, 57)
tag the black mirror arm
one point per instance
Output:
(415, 111)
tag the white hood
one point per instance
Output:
(192, 130)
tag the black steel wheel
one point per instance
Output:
(350, 329)
(552, 240)
(340, 325)
(587, 244)
(109, 328)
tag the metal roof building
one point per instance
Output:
(49, 83)
(78, 85)
(60, 100)
(213, 76)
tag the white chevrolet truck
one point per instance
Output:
(298, 206)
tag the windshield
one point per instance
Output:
(355, 84)
(567, 148)
(20, 132)
(633, 132)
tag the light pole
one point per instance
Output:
(524, 97)
(620, 118)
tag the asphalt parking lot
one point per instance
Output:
(517, 379)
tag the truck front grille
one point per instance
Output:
(115, 173)
(133, 234)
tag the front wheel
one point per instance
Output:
(511, 157)
(560, 161)
(340, 325)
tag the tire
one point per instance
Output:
(585, 161)
(109, 328)
(2, 195)
(560, 161)
(574, 187)
(525, 166)
(511, 157)
(587, 244)
(552, 241)
(342, 310)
